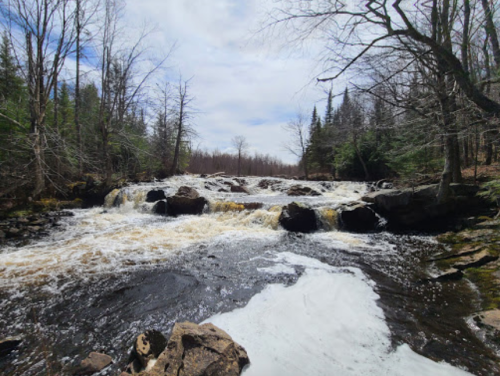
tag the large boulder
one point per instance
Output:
(299, 190)
(186, 201)
(160, 208)
(297, 217)
(200, 350)
(155, 195)
(358, 218)
(417, 208)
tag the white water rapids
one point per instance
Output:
(326, 323)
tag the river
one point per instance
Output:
(327, 303)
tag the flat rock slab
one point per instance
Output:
(94, 363)
(475, 260)
(490, 318)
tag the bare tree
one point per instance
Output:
(121, 84)
(182, 128)
(383, 30)
(298, 140)
(241, 145)
(43, 30)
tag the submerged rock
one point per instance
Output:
(359, 218)
(200, 350)
(94, 363)
(186, 201)
(297, 217)
(239, 189)
(8, 345)
(155, 195)
(299, 190)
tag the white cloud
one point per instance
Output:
(242, 84)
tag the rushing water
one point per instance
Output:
(327, 303)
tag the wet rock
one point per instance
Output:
(476, 260)
(160, 208)
(297, 217)
(94, 363)
(253, 205)
(2, 234)
(449, 275)
(490, 318)
(149, 345)
(8, 345)
(155, 195)
(241, 181)
(222, 190)
(298, 190)
(359, 218)
(197, 350)
(33, 228)
(239, 189)
(13, 232)
(187, 192)
(416, 208)
(186, 201)
(38, 222)
(268, 184)
(216, 175)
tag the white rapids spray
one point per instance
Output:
(126, 235)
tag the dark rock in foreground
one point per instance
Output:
(8, 345)
(186, 201)
(297, 217)
(359, 218)
(298, 190)
(149, 346)
(200, 350)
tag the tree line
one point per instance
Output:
(79, 96)
(423, 86)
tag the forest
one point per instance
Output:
(423, 93)
(110, 121)
(419, 96)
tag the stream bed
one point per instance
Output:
(327, 303)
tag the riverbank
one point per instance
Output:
(474, 254)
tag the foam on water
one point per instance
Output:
(328, 323)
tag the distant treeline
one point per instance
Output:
(205, 162)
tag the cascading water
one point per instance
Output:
(324, 303)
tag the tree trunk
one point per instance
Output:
(239, 163)
(446, 177)
(358, 153)
(492, 32)
(77, 92)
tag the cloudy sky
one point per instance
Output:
(244, 83)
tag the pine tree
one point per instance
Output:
(329, 109)
(10, 82)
